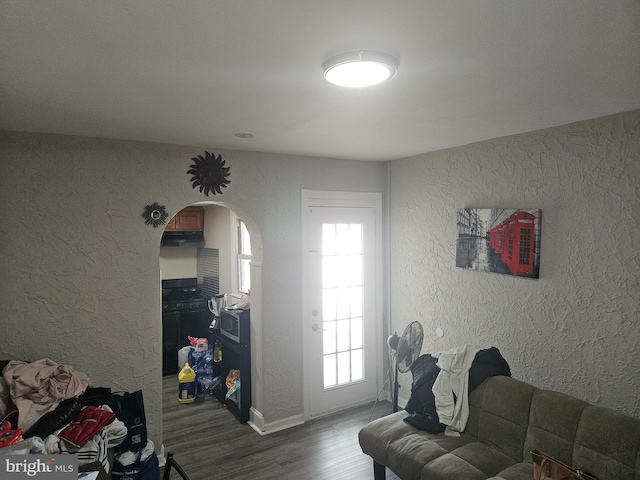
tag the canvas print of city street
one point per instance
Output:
(499, 240)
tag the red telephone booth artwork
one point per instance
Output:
(497, 234)
(520, 228)
(505, 241)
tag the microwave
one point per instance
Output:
(234, 324)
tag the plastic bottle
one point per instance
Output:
(204, 374)
(217, 352)
(187, 388)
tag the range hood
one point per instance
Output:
(174, 239)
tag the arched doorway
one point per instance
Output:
(225, 216)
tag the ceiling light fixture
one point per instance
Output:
(360, 69)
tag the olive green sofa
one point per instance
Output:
(509, 418)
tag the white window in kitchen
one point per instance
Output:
(243, 251)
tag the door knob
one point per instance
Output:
(315, 327)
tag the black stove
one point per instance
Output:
(182, 294)
(184, 313)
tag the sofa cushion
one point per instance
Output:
(507, 419)
(376, 436)
(504, 415)
(472, 461)
(553, 423)
(409, 454)
(475, 405)
(519, 471)
(608, 444)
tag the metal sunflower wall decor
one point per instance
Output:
(154, 214)
(209, 173)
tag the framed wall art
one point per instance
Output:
(499, 240)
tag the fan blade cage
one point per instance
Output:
(409, 346)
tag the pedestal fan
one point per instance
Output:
(406, 349)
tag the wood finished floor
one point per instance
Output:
(210, 444)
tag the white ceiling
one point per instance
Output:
(198, 72)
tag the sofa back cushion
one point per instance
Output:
(607, 444)
(475, 405)
(553, 422)
(499, 414)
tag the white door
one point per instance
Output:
(341, 320)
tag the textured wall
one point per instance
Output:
(80, 271)
(80, 276)
(577, 328)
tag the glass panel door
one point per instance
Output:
(340, 321)
(342, 283)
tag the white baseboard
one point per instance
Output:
(262, 427)
(257, 422)
(161, 459)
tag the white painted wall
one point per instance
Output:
(80, 279)
(577, 328)
(80, 276)
(218, 224)
(179, 262)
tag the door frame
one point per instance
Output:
(323, 198)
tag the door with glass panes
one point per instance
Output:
(340, 307)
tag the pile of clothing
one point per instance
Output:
(442, 383)
(53, 409)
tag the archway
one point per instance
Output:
(256, 305)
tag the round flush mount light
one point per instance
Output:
(360, 69)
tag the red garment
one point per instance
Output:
(87, 423)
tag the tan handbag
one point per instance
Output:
(546, 467)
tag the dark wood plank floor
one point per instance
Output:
(210, 444)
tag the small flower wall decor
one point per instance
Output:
(209, 173)
(154, 214)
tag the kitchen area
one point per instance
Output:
(204, 263)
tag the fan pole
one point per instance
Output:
(395, 387)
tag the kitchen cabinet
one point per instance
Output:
(189, 219)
